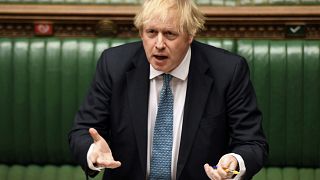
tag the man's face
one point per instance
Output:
(164, 45)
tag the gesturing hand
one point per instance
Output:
(225, 165)
(101, 155)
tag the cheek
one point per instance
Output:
(147, 47)
(180, 52)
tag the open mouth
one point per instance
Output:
(159, 57)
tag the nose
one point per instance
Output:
(160, 42)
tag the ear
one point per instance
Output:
(141, 33)
(190, 39)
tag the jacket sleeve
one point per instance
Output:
(245, 121)
(93, 113)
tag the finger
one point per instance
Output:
(93, 157)
(224, 162)
(212, 173)
(216, 174)
(209, 171)
(220, 172)
(108, 163)
(94, 134)
(228, 163)
(114, 164)
(233, 165)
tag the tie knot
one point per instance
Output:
(166, 79)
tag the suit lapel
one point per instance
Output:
(138, 94)
(199, 85)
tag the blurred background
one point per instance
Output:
(48, 52)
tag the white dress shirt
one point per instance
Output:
(178, 86)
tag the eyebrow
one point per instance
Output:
(163, 29)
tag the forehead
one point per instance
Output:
(160, 21)
(159, 24)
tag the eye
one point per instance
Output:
(151, 33)
(170, 35)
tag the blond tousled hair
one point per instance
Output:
(190, 19)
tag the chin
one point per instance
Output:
(160, 68)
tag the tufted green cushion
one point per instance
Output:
(3, 171)
(67, 172)
(43, 81)
(288, 173)
(286, 75)
(47, 172)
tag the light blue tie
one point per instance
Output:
(160, 166)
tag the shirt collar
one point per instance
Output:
(181, 72)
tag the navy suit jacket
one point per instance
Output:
(220, 114)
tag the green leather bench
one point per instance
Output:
(67, 172)
(286, 76)
(43, 81)
(47, 172)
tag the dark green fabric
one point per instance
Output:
(100, 45)
(262, 175)
(227, 44)
(47, 172)
(277, 117)
(43, 81)
(69, 93)
(294, 103)
(311, 104)
(116, 42)
(85, 73)
(52, 104)
(290, 173)
(274, 173)
(3, 171)
(317, 174)
(36, 69)
(306, 173)
(285, 75)
(16, 172)
(20, 98)
(67, 172)
(6, 103)
(261, 75)
(32, 172)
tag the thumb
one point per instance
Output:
(233, 165)
(229, 162)
(94, 134)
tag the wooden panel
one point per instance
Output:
(270, 22)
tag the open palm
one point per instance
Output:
(101, 155)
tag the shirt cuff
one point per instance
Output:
(242, 167)
(90, 164)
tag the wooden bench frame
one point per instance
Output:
(267, 22)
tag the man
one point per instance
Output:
(214, 125)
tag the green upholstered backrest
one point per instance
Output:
(288, 173)
(43, 81)
(286, 76)
(47, 172)
(67, 172)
